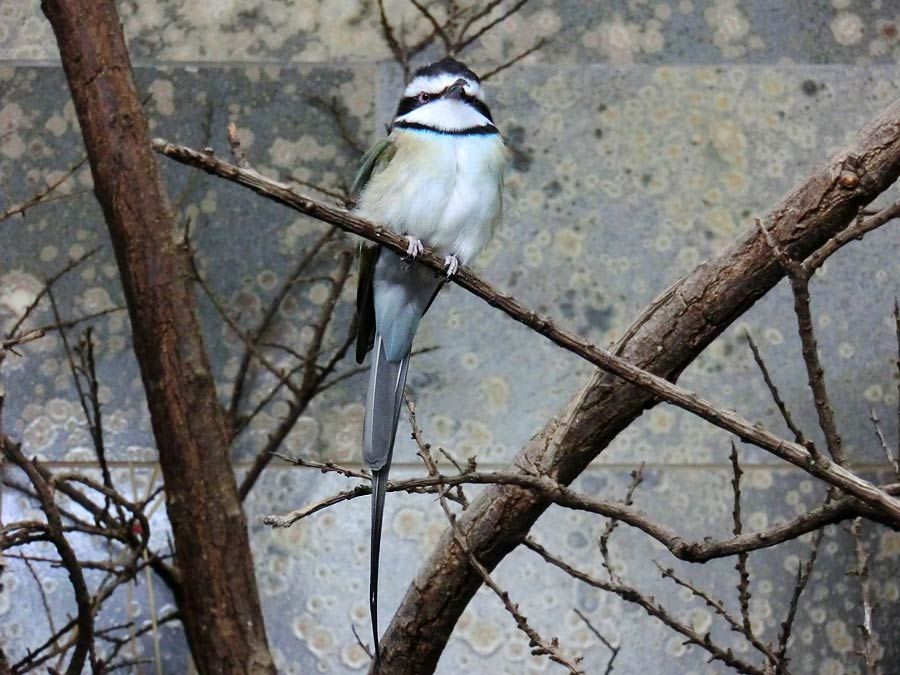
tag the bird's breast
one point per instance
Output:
(443, 189)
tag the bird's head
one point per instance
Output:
(444, 96)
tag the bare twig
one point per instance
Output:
(84, 645)
(897, 364)
(312, 378)
(333, 107)
(743, 586)
(738, 626)
(540, 44)
(41, 195)
(540, 646)
(362, 645)
(237, 151)
(637, 477)
(798, 275)
(48, 284)
(776, 397)
(268, 316)
(893, 462)
(435, 24)
(609, 645)
(804, 571)
(463, 42)
(650, 606)
(867, 650)
(856, 231)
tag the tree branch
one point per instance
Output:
(220, 604)
(792, 452)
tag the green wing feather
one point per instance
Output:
(375, 159)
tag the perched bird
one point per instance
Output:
(437, 179)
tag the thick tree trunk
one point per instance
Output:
(220, 606)
(670, 334)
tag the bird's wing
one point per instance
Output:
(376, 158)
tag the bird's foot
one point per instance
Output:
(452, 264)
(415, 248)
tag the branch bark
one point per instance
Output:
(219, 604)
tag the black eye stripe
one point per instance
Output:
(479, 105)
(409, 103)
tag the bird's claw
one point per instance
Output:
(415, 248)
(452, 264)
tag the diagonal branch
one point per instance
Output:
(794, 453)
(663, 340)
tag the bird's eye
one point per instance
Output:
(423, 97)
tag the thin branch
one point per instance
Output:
(435, 24)
(794, 453)
(804, 571)
(897, 363)
(333, 107)
(268, 316)
(312, 379)
(362, 645)
(776, 397)
(41, 195)
(387, 32)
(856, 231)
(540, 646)
(867, 651)
(650, 606)
(237, 151)
(540, 44)
(743, 586)
(84, 645)
(893, 462)
(637, 477)
(464, 42)
(833, 511)
(799, 275)
(48, 284)
(741, 627)
(232, 323)
(609, 645)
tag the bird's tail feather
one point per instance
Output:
(385, 395)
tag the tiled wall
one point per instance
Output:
(646, 135)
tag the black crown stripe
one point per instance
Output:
(447, 65)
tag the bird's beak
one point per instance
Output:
(455, 90)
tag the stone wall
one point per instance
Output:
(646, 135)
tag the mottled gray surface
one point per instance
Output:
(645, 137)
(581, 31)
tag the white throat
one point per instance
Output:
(446, 114)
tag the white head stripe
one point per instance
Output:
(434, 84)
